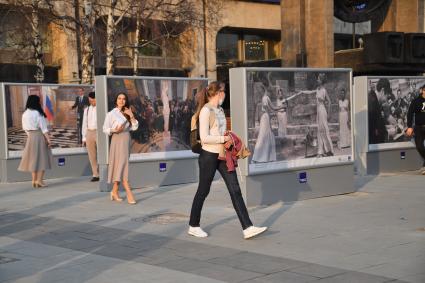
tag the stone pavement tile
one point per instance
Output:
(137, 272)
(185, 265)
(22, 268)
(357, 261)
(257, 262)
(416, 278)
(35, 250)
(76, 271)
(317, 270)
(147, 242)
(225, 273)
(41, 277)
(397, 270)
(22, 226)
(30, 233)
(118, 251)
(11, 218)
(6, 257)
(283, 277)
(105, 234)
(200, 251)
(157, 257)
(355, 277)
(81, 244)
(7, 241)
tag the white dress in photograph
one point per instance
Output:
(323, 135)
(265, 146)
(344, 131)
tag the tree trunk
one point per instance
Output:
(110, 39)
(87, 60)
(78, 36)
(37, 43)
(136, 45)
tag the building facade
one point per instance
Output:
(242, 34)
(246, 33)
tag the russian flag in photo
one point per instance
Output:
(48, 108)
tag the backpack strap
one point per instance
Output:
(195, 120)
(211, 117)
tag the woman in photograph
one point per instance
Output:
(325, 147)
(344, 130)
(265, 146)
(282, 117)
(165, 105)
(37, 155)
(118, 124)
(213, 136)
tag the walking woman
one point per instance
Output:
(212, 140)
(118, 124)
(37, 155)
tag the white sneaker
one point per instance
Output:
(253, 231)
(197, 232)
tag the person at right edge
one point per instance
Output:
(417, 110)
(212, 140)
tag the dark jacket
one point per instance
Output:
(80, 105)
(416, 111)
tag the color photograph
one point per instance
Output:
(62, 104)
(163, 108)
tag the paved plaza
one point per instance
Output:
(71, 232)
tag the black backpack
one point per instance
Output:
(195, 139)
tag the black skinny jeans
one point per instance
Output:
(208, 164)
(419, 140)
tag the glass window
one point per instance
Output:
(227, 47)
(150, 48)
(254, 48)
(172, 47)
(150, 41)
(273, 48)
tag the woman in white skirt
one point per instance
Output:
(118, 124)
(265, 146)
(324, 141)
(344, 130)
(37, 156)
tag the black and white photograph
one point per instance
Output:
(388, 104)
(63, 106)
(298, 115)
(163, 108)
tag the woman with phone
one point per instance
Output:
(118, 124)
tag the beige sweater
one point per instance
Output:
(212, 139)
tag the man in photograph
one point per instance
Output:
(416, 123)
(81, 102)
(89, 135)
(377, 129)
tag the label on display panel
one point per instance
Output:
(403, 155)
(61, 161)
(302, 177)
(162, 167)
